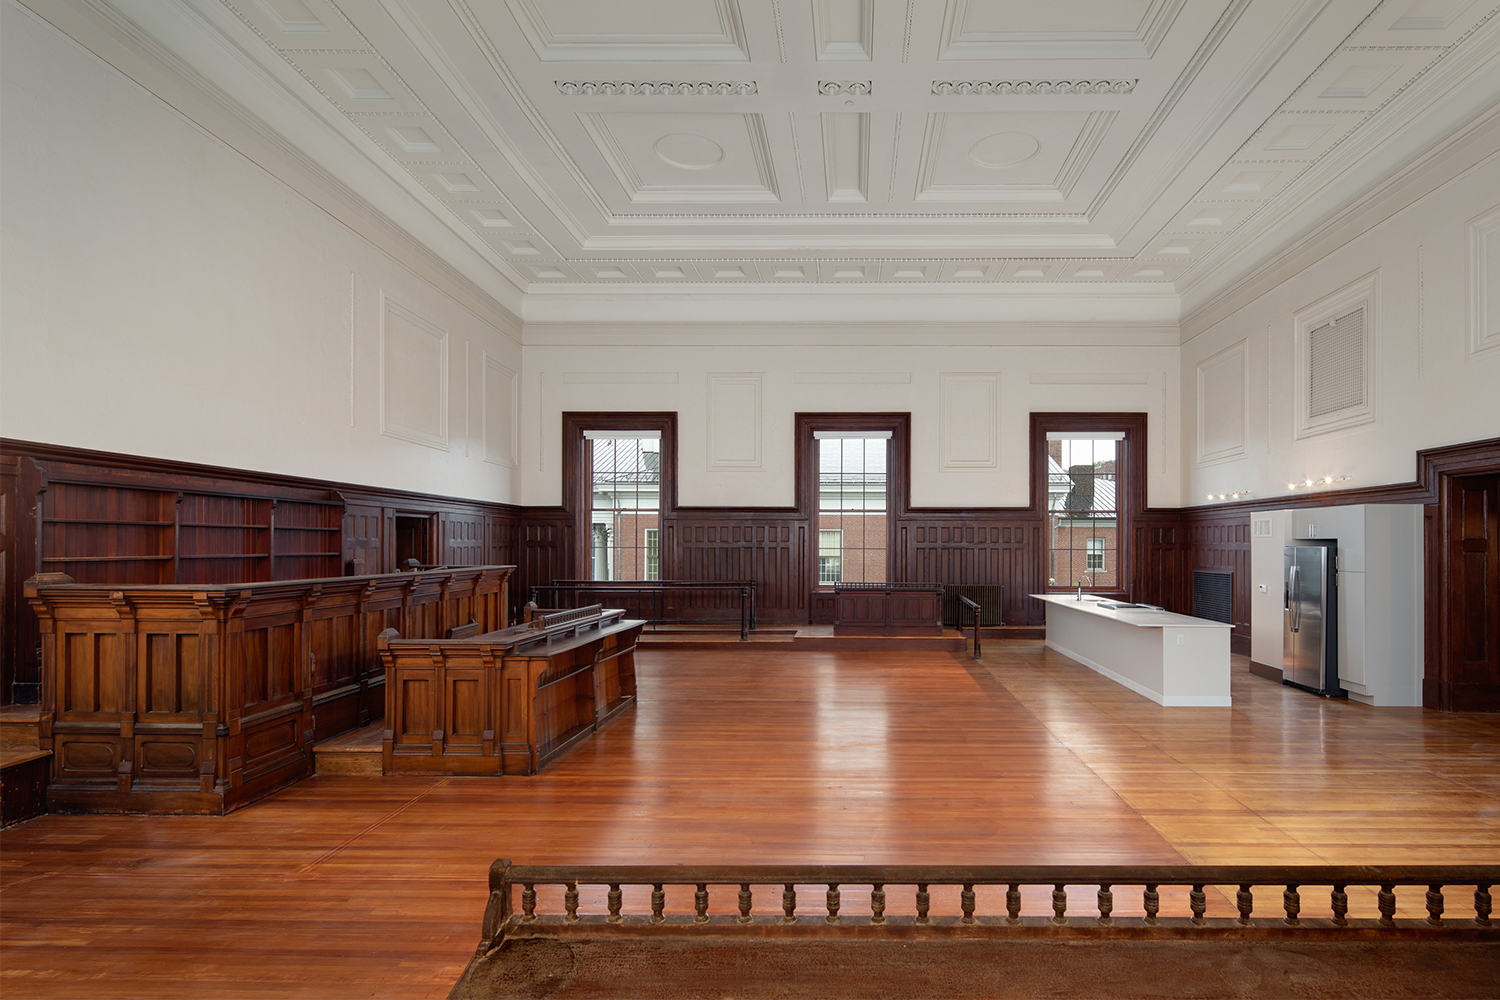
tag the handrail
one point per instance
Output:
(655, 588)
(501, 917)
(965, 602)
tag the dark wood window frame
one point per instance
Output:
(576, 458)
(898, 476)
(1131, 502)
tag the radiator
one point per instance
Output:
(989, 597)
(1213, 595)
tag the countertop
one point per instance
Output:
(1143, 617)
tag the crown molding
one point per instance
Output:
(756, 302)
(375, 206)
(847, 335)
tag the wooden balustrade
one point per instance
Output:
(1284, 883)
(197, 699)
(508, 701)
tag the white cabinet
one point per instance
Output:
(1380, 594)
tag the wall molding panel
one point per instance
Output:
(734, 420)
(1484, 284)
(502, 413)
(413, 376)
(1224, 405)
(969, 420)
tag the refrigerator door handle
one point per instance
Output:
(1296, 587)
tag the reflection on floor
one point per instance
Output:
(351, 885)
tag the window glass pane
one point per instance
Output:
(1082, 510)
(852, 506)
(625, 509)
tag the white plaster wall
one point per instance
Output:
(1431, 390)
(164, 296)
(981, 459)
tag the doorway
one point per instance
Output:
(413, 540)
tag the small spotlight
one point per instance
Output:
(1291, 486)
(1327, 479)
(1308, 483)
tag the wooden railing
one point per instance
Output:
(182, 698)
(649, 599)
(964, 602)
(828, 915)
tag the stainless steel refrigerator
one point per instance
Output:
(1310, 621)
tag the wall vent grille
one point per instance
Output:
(1336, 365)
(1213, 595)
(1261, 527)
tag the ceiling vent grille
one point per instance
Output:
(1336, 365)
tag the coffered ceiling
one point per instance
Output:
(713, 142)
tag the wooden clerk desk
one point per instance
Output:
(509, 701)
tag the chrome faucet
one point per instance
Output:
(1080, 588)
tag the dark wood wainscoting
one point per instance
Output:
(126, 520)
(119, 519)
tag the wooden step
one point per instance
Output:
(20, 728)
(358, 751)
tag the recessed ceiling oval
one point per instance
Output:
(689, 151)
(1004, 149)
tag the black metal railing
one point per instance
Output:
(651, 599)
(789, 886)
(964, 602)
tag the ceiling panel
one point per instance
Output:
(609, 141)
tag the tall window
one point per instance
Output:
(618, 482)
(853, 488)
(625, 508)
(1082, 513)
(1092, 469)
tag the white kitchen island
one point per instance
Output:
(1174, 660)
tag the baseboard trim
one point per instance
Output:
(1265, 670)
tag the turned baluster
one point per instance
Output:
(1435, 905)
(1152, 902)
(1245, 900)
(744, 903)
(1106, 905)
(614, 905)
(924, 901)
(570, 903)
(1059, 904)
(1385, 901)
(877, 904)
(1199, 902)
(833, 904)
(528, 903)
(700, 904)
(1482, 905)
(1291, 901)
(967, 898)
(789, 904)
(1013, 904)
(1340, 900)
(658, 903)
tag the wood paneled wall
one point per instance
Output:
(773, 546)
(122, 519)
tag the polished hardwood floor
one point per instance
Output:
(367, 886)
